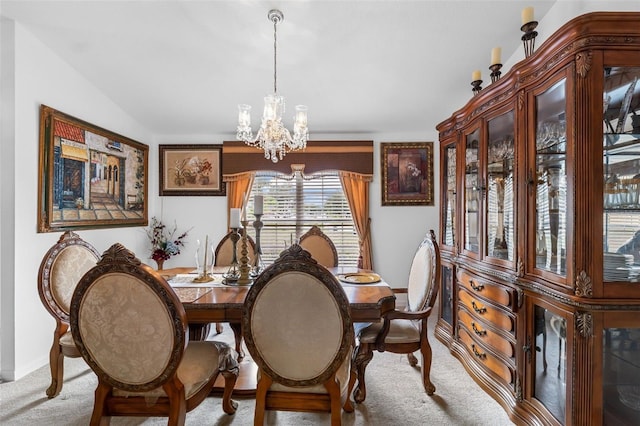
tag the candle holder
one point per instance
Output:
(245, 269)
(529, 37)
(233, 274)
(204, 277)
(476, 87)
(257, 225)
(495, 72)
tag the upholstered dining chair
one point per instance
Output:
(131, 328)
(320, 246)
(297, 327)
(224, 251)
(60, 270)
(405, 331)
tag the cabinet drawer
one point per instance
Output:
(487, 311)
(487, 289)
(486, 335)
(481, 356)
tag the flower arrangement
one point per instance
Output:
(163, 243)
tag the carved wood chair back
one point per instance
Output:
(130, 327)
(320, 246)
(60, 271)
(297, 327)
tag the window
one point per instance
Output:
(293, 203)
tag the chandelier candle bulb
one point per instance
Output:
(527, 15)
(244, 115)
(496, 52)
(235, 218)
(476, 75)
(258, 202)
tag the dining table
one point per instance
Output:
(215, 301)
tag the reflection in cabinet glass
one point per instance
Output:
(449, 165)
(472, 193)
(500, 197)
(551, 180)
(447, 294)
(621, 161)
(621, 376)
(550, 361)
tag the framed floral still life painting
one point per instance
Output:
(89, 177)
(191, 170)
(407, 173)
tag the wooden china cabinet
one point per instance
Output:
(540, 229)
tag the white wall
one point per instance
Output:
(40, 77)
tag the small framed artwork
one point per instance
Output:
(407, 173)
(191, 170)
(89, 177)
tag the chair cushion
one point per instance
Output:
(69, 266)
(400, 331)
(342, 375)
(419, 278)
(199, 364)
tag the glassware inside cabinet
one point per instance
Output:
(621, 166)
(551, 180)
(500, 196)
(450, 196)
(621, 376)
(447, 294)
(472, 193)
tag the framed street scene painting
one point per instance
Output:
(191, 170)
(407, 173)
(89, 177)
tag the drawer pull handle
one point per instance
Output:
(478, 310)
(478, 354)
(478, 287)
(477, 330)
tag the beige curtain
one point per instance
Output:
(238, 185)
(356, 189)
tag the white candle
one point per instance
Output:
(476, 75)
(495, 55)
(258, 202)
(235, 218)
(527, 15)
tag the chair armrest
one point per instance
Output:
(408, 315)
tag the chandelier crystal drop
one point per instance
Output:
(273, 137)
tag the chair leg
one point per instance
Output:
(413, 361)
(261, 399)
(237, 334)
(363, 356)
(100, 417)
(177, 402)
(229, 406)
(219, 328)
(425, 350)
(56, 364)
(334, 398)
(348, 404)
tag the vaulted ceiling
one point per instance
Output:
(362, 67)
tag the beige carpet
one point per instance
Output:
(395, 397)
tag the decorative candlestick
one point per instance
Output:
(257, 225)
(476, 87)
(495, 72)
(244, 259)
(204, 277)
(529, 37)
(232, 275)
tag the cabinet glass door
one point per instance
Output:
(447, 294)
(621, 376)
(500, 194)
(621, 161)
(472, 193)
(449, 165)
(550, 361)
(551, 180)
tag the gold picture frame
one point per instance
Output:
(191, 170)
(89, 177)
(407, 173)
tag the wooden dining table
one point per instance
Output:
(216, 302)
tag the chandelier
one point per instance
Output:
(273, 137)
